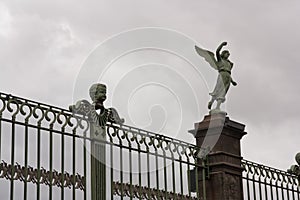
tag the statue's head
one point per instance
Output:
(225, 54)
(98, 93)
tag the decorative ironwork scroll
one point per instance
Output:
(34, 123)
(261, 181)
(46, 177)
(142, 192)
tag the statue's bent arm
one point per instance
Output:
(218, 53)
(219, 50)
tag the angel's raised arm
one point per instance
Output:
(219, 49)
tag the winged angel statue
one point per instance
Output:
(224, 66)
(98, 121)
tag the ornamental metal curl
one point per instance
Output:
(36, 112)
(254, 169)
(27, 114)
(143, 192)
(11, 109)
(261, 180)
(30, 174)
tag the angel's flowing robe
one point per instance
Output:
(223, 81)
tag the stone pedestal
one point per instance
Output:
(222, 136)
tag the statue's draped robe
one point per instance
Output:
(224, 80)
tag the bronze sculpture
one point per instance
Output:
(97, 93)
(224, 67)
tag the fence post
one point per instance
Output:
(98, 167)
(222, 136)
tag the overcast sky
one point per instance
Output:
(44, 45)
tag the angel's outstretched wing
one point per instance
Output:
(208, 56)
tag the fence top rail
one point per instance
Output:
(7, 99)
(271, 173)
(146, 133)
(20, 100)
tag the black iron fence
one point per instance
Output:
(47, 152)
(145, 165)
(40, 151)
(263, 182)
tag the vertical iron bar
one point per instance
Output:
(293, 194)
(288, 193)
(84, 166)
(111, 170)
(173, 175)
(293, 190)
(276, 188)
(259, 187)
(140, 173)
(181, 177)
(282, 190)
(165, 175)
(271, 188)
(130, 171)
(189, 176)
(12, 158)
(157, 172)
(121, 169)
(51, 160)
(62, 163)
(74, 164)
(38, 160)
(266, 186)
(248, 185)
(148, 171)
(253, 185)
(26, 159)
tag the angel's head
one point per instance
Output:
(98, 93)
(225, 54)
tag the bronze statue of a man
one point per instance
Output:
(98, 95)
(224, 66)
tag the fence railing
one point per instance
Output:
(46, 155)
(263, 182)
(146, 165)
(40, 151)
(46, 152)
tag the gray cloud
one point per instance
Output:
(44, 43)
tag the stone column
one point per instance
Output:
(222, 136)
